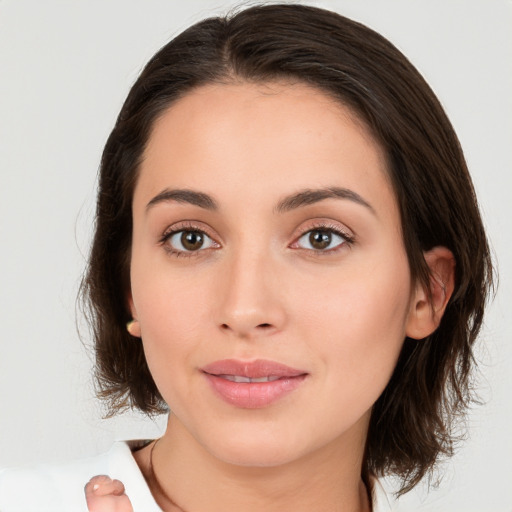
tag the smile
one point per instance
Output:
(252, 385)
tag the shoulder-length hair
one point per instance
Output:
(411, 421)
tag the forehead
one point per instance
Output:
(263, 139)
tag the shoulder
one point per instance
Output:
(59, 488)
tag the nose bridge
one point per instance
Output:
(250, 301)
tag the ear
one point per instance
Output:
(133, 326)
(428, 309)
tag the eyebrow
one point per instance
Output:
(183, 196)
(310, 196)
(297, 200)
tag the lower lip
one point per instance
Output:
(254, 395)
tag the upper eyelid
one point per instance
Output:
(187, 225)
(336, 231)
(327, 225)
(347, 239)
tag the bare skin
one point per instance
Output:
(241, 276)
(103, 494)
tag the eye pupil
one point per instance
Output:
(320, 239)
(192, 240)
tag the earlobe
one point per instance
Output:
(427, 309)
(133, 326)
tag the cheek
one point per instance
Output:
(357, 327)
(166, 301)
(171, 320)
(172, 314)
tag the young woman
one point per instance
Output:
(289, 258)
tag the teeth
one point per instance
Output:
(265, 379)
(236, 378)
(247, 380)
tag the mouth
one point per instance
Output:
(254, 384)
(248, 380)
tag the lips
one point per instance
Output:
(254, 384)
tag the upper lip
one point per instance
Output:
(251, 369)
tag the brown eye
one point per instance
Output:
(189, 241)
(192, 240)
(321, 240)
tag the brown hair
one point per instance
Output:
(411, 421)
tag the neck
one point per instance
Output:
(187, 478)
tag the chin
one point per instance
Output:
(257, 449)
(258, 457)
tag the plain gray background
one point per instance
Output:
(65, 68)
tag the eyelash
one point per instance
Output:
(184, 227)
(189, 227)
(329, 228)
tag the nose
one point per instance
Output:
(250, 301)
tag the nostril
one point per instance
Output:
(264, 325)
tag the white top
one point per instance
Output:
(60, 488)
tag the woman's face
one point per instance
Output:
(268, 271)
